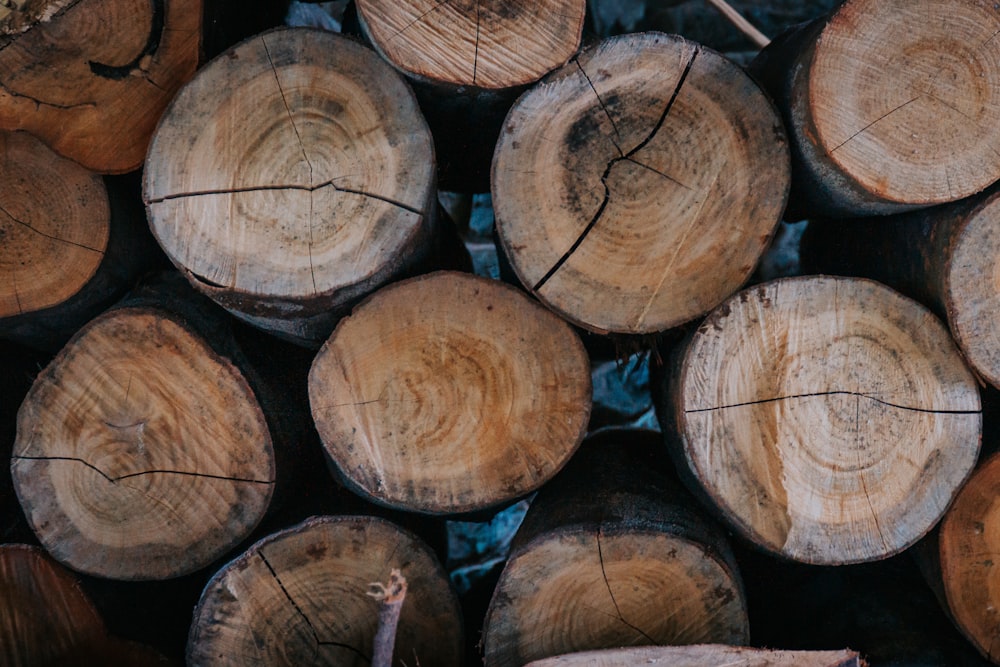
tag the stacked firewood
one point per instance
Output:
(251, 371)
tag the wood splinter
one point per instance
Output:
(390, 598)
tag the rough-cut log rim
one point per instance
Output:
(381, 495)
(351, 522)
(139, 570)
(705, 655)
(266, 303)
(773, 201)
(694, 474)
(424, 72)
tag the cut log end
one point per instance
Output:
(54, 226)
(482, 43)
(450, 393)
(16, 16)
(140, 453)
(637, 187)
(904, 97)
(831, 420)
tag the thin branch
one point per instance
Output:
(390, 598)
(744, 26)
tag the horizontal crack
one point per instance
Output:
(835, 393)
(48, 236)
(119, 478)
(42, 103)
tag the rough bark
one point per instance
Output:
(828, 420)
(637, 187)
(450, 393)
(704, 656)
(298, 598)
(890, 105)
(309, 129)
(91, 77)
(614, 553)
(947, 257)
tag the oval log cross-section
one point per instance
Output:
(831, 420)
(140, 453)
(450, 393)
(636, 187)
(299, 597)
(293, 175)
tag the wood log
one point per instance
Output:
(966, 546)
(947, 257)
(332, 146)
(890, 105)
(71, 243)
(142, 452)
(614, 553)
(299, 598)
(828, 420)
(620, 178)
(705, 655)
(47, 619)
(449, 393)
(91, 78)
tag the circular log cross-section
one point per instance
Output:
(54, 226)
(968, 542)
(612, 553)
(483, 43)
(450, 393)
(707, 655)
(830, 420)
(291, 176)
(91, 78)
(299, 597)
(140, 453)
(891, 104)
(636, 187)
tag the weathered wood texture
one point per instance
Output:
(829, 420)
(292, 176)
(705, 655)
(450, 393)
(92, 77)
(612, 553)
(890, 104)
(636, 187)
(299, 598)
(947, 257)
(142, 452)
(71, 243)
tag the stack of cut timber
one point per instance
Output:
(467, 62)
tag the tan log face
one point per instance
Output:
(973, 290)
(92, 78)
(832, 420)
(140, 454)
(636, 187)
(969, 543)
(581, 590)
(311, 168)
(904, 98)
(450, 393)
(484, 43)
(54, 226)
(299, 598)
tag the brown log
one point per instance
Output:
(828, 420)
(299, 598)
(614, 553)
(636, 187)
(46, 619)
(142, 452)
(306, 128)
(450, 393)
(92, 77)
(704, 656)
(947, 257)
(891, 105)
(71, 243)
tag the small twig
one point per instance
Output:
(744, 26)
(390, 597)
